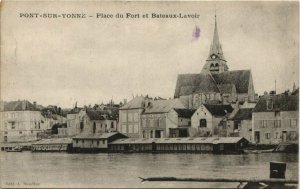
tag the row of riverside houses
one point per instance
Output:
(22, 121)
(272, 120)
(214, 102)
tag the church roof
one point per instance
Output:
(226, 88)
(203, 83)
(194, 83)
(240, 78)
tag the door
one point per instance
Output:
(157, 134)
(257, 137)
(284, 136)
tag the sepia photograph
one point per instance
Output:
(149, 94)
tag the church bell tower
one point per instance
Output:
(215, 62)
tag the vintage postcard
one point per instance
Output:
(131, 94)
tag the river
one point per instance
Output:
(28, 169)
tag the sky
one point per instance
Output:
(61, 61)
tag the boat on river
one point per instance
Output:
(256, 151)
(15, 149)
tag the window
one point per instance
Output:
(31, 132)
(293, 122)
(5, 133)
(276, 135)
(13, 125)
(277, 123)
(103, 141)
(123, 129)
(130, 129)
(82, 141)
(136, 129)
(39, 125)
(94, 127)
(263, 123)
(203, 123)
(81, 125)
(5, 138)
(267, 135)
(151, 134)
(5, 125)
(130, 117)
(112, 125)
(144, 134)
(105, 127)
(20, 132)
(76, 141)
(136, 117)
(97, 142)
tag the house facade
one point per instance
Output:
(159, 118)
(130, 116)
(90, 121)
(20, 121)
(240, 125)
(275, 119)
(208, 119)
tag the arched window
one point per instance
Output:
(203, 123)
(94, 127)
(212, 65)
(216, 65)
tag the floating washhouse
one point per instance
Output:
(188, 145)
(52, 145)
(96, 142)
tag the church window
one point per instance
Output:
(212, 65)
(216, 65)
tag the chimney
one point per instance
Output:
(34, 104)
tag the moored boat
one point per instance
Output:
(15, 149)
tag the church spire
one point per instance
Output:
(216, 47)
(215, 62)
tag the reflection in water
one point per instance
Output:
(123, 170)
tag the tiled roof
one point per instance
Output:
(243, 114)
(19, 106)
(97, 135)
(226, 88)
(186, 113)
(162, 106)
(280, 102)
(203, 83)
(95, 114)
(55, 141)
(203, 140)
(240, 78)
(218, 109)
(194, 83)
(135, 103)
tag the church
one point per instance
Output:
(215, 84)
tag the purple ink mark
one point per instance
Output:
(196, 33)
